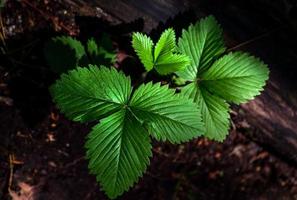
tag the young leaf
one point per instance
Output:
(164, 58)
(118, 150)
(169, 117)
(214, 111)
(171, 63)
(166, 44)
(143, 45)
(236, 77)
(202, 42)
(92, 47)
(87, 94)
(63, 53)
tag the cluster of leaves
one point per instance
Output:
(64, 53)
(2, 3)
(163, 56)
(119, 147)
(215, 78)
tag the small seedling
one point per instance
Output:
(119, 146)
(64, 53)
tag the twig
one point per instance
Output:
(2, 33)
(254, 39)
(74, 162)
(161, 153)
(10, 172)
(23, 47)
(2, 27)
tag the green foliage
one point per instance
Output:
(2, 3)
(89, 94)
(118, 150)
(163, 56)
(235, 77)
(143, 46)
(99, 54)
(214, 110)
(119, 146)
(202, 42)
(170, 117)
(65, 53)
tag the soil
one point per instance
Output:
(42, 153)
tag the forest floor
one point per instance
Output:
(42, 153)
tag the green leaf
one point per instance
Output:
(92, 47)
(118, 150)
(169, 117)
(99, 55)
(171, 63)
(143, 46)
(236, 77)
(202, 42)
(87, 94)
(166, 45)
(164, 58)
(214, 111)
(63, 53)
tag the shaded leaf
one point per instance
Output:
(63, 53)
(99, 55)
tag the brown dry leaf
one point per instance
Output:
(50, 137)
(27, 192)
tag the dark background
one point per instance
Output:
(41, 152)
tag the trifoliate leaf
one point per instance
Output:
(202, 42)
(169, 117)
(164, 58)
(119, 146)
(214, 111)
(87, 94)
(118, 150)
(63, 53)
(236, 77)
(143, 47)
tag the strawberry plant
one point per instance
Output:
(119, 146)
